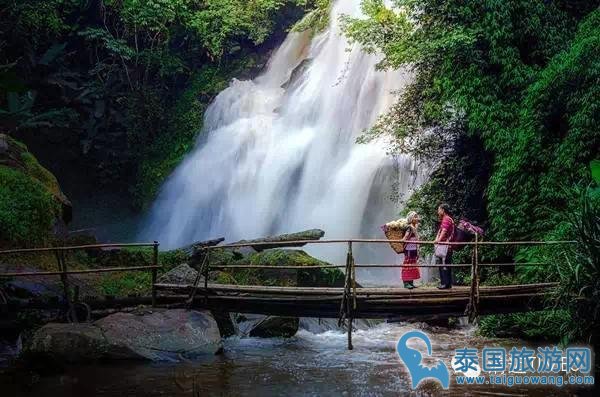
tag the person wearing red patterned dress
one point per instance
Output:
(410, 272)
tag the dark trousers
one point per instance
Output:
(445, 271)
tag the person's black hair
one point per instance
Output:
(446, 208)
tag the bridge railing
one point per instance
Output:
(348, 302)
(64, 272)
(349, 297)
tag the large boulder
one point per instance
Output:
(158, 335)
(164, 334)
(73, 343)
(44, 288)
(182, 274)
(185, 275)
(22, 288)
(284, 239)
(274, 327)
(33, 208)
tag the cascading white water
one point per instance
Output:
(278, 153)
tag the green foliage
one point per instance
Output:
(522, 77)
(315, 20)
(40, 19)
(595, 169)
(29, 197)
(537, 326)
(384, 30)
(460, 179)
(154, 15)
(222, 22)
(284, 257)
(273, 257)
(27, 209)
(494, 276)
(556, 138)
(579, 274)
(105, 39)
(19, 114)
(35, 170)
(184, 123)
(136, 256)
(170, 259)
(110, 85)
(126, 283)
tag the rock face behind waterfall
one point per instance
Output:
(160, 335)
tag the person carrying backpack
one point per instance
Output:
(443, 253)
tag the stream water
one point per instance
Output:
(315, 362)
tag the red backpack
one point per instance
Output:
(464, 232)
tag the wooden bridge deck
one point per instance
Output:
(373, 303)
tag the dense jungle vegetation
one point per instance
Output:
(109, 95)
(116, 89)
(506, 102)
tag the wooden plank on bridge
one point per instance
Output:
(376, 303)
(302, 291)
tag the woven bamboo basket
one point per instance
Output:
(395, 234)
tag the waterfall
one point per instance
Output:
(278, 154)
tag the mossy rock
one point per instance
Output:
(216, 257)
(33, 209)
(283, 277)
(282, 257)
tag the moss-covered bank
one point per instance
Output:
(32, 204)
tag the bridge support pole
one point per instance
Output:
(64, 278)
(154, 271)
(350, 292)
(202, 271)
(473, 306)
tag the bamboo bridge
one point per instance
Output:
(346, 303)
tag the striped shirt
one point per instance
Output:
(412, 237)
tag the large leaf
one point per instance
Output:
(12, 100)
(595, 168)
(51, 54)
(9, 81)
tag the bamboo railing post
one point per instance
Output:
(350, 289)
(154, 271)
(476, 274)
(64, 278)
(201, 272)
(206, 269)
(472, 307)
